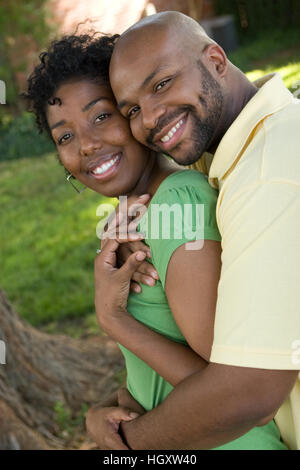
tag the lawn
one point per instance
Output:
(48, 232)
(48, 241)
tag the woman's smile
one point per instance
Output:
(105, 168)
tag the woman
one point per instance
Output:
(168, 323)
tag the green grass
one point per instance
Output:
(48, 232)
(278, 51)
(48, 241)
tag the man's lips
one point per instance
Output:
(170, 134)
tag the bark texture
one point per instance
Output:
(41, 370)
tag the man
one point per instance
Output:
(184, 98)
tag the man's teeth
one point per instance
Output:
(105, 166)
(170, 134)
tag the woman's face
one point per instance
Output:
(93, 140)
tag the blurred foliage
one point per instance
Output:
(258, 16)
(24, 30)
(19, 138)
(48, 241)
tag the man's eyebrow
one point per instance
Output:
(152, 75)
(146, 82)
(93, 102)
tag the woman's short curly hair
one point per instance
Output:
(83, 57)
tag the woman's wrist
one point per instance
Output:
(113, 323)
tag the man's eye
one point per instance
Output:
(102, 117)
(162, 84)
(132, 111)
(64, 139)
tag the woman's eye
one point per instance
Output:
(64, 139)
(102, 117)
(132, 111)
(162, 84)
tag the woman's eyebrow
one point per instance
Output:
(59, 123)
(85, 108)
(93, 102)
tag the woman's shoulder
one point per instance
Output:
(185, 184)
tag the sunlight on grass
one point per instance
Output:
(290, 74)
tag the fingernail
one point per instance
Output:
(143, 195)
(155, 275)
(133, 415)
(140, 256)
(136, 236)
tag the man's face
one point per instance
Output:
(172, 101)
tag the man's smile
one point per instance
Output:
(171, 133)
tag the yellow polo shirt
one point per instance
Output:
(257, 169)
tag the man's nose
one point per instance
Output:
(151, 113)
(89, 143)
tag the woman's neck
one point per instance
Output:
(156, 170)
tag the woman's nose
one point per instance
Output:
(89, 143)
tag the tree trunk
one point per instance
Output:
(42, 370)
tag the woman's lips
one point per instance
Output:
(106, 169)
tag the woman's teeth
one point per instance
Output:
(170, 134)
(105, 166)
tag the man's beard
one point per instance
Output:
(203, 130)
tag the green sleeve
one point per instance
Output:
(182, 210)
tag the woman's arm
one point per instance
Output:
(159, 352)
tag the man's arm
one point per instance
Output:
(211, 408)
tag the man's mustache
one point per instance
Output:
(165, 121)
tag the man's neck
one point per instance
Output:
(235, 103)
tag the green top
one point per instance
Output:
(182, 210)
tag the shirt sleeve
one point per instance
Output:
(181, 214)
(258, 308)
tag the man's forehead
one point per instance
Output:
(145, 43)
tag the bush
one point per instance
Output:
(258, 16)
(20, 138)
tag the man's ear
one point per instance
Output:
(217, 59)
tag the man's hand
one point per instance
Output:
(102, 425)
(145, 273)
(126, 400)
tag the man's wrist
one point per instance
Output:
(122, 433)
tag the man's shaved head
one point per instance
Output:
(171, 21)
(171, 81)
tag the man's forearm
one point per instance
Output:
(210, 409)
(155, 349)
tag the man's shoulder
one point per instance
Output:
(281, 152)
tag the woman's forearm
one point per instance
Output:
(159, 352)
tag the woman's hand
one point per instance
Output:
(124, 219)
(112, 284)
